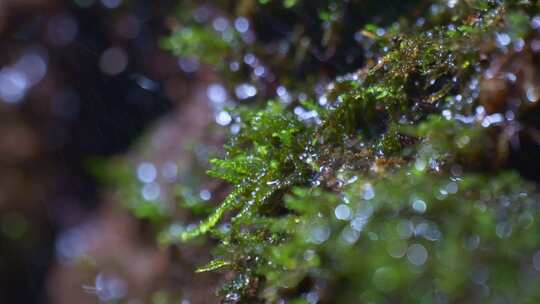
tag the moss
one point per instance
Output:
(395, 190)
(197, 42)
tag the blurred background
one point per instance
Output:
(79, 80)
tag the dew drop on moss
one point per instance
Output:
(417, 254)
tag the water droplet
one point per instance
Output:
(535, 22)
(417, 254)
(451, 187)
(503, 39)
(250, 59)
(241, 24)
(220, 24)
(175, 230)
(320, 233)
(205, 194)
(350, 235)
(419, 206)
(145, 82)
(405, 229)
(232, 297)
(188, 65)
(13, 85)
(322, 100)
(234, 66)
(108, 287)
(397, 249)
(223, 118)
(519, 44)
(245, 91)
(342, 212)
(368, 192)
(447, 114)
(235, 128)
(146, 172)
(259, 71)
(72, 244)
(420, 164)
(33, 66)
(216, 93)
(428, 231)
(533, 94)
(312, 297)
(283, 94)
(309, 255)
(151, 191)
(113, 61)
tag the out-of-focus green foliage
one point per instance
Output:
(198, 42)
(395, 188)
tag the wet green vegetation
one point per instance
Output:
(397, 182)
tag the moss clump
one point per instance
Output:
(397, 187)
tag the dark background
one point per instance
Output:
(74, 113)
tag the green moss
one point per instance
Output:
(197, 42)
(262, 160)
(394, 191)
